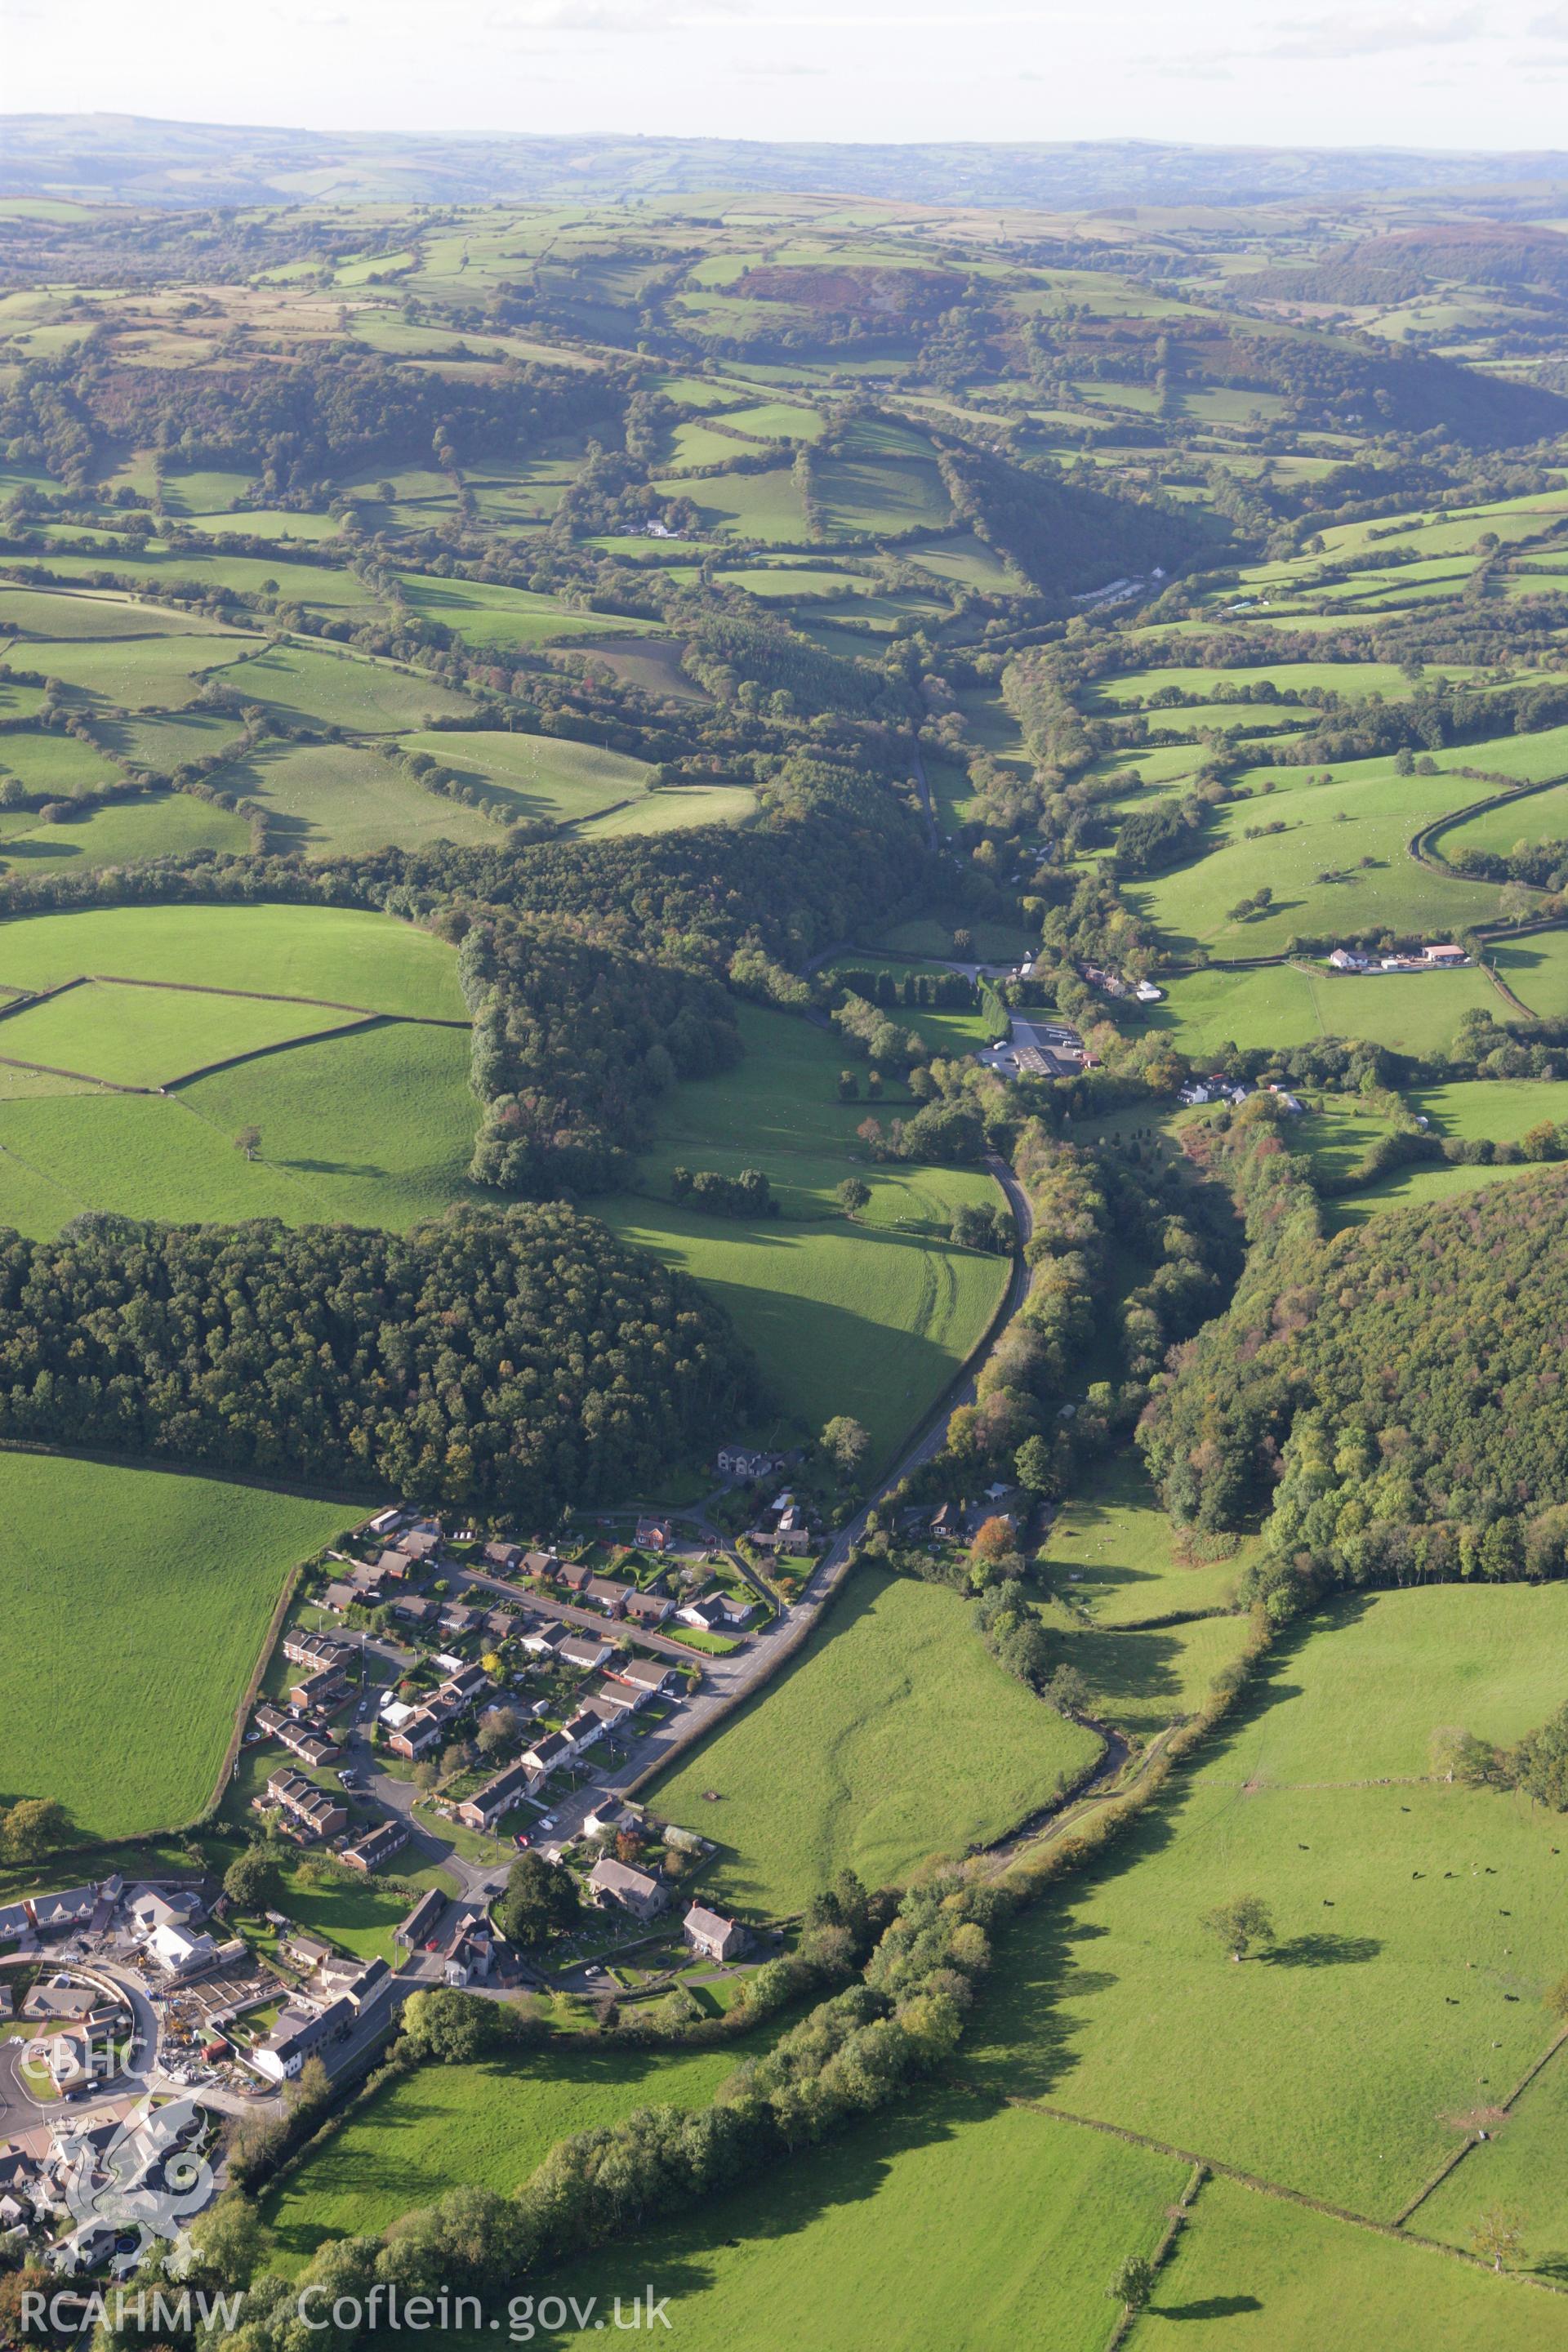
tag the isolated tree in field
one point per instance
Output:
(1555, 1998)
(540, 1901)
(1133, 2282)
(1240, 1924)
(843, 1440)
(32, 1828)
(1498, 2236)
(849, 1085)
(249, 1140)
(854, 1195)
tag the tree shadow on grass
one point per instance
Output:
(1322, 1951)
(1209, 2306)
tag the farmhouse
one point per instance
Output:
(485, 1806)
(384, 1841)
(712, 1935)
(634, 1890)
(750, 1462)
(781, 1528)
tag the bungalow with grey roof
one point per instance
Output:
(583, 1651)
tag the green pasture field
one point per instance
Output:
(1538, 816)
(948, 1030)
(1113, 1550)
(162, 744)
(1536, 968)
(779, 582)
(1281, 1005)
(155, 825)
(654, 666)
(1412, 1188)
(872, 1730)
(280, 524)
(136, 1604)
(1357, 1696)
(487, 2125)
(862, 496)
(541, 777)
(1502, 1108)
(1329, 2064)
(1272, 721)
(777, 420)
(1518, 2167)
(374, 1129)
(138, 673)
(484, 613)
(1347, 679)
(844, 1318)
(697, 444)
(202, 491)
(330, 953)
(1144, 1677)
(324, 800)
(761, 506)
(1368, 811)
(939, 2225)
(675, 810)
(370, 697)
(860, 1317)
(142, 1036)
(968, 562)
(1418, 1922)
(1252, 2274)
(57, 767)
(296, 580)
(931, 935)
(69, 617)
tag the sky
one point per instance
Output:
(1267, 73)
